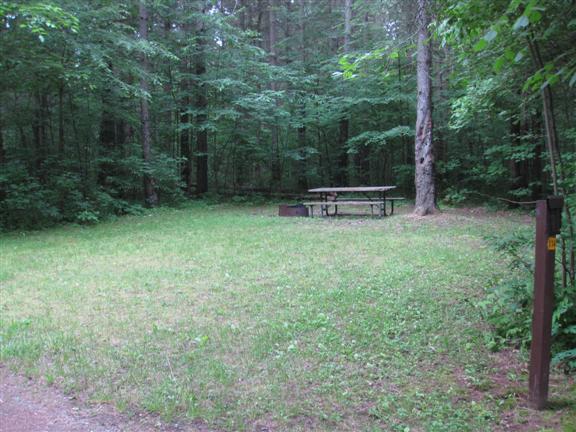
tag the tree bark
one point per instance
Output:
(424, 149)
(538, 173)
(302, 135)
(39, 130)
(276, 167)
(61, 139)
(185, 147)
(201, 106)
(362, 158)
(2, 149)
(342, 173)
(184, 123)
(150, 195)
(344, 123)
(568, 245)
(107, 137)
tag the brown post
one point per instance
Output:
(548, 222)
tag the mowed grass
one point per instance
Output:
(239, 318)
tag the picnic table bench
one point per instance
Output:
(329, 198)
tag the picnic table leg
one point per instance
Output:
(384, 200)
(325, 209)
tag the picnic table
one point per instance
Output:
(373, 196)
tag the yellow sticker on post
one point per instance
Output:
(551, 244)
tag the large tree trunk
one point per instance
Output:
(185, 146)
(276, 166)
(2, 149)
(424, 149)
(150, 196)
(184, 121)
(302, 137)
(362, 158)
(201, 106)
(344, 123)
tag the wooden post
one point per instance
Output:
(548, 222)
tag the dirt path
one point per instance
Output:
(26, 406)
(29, 406)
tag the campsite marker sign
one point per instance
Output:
(548, 223)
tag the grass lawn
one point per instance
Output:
(244, 320)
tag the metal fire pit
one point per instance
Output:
(292, 210)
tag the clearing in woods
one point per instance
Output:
(229, 318)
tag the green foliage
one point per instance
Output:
(25, 203)
(455, 196)
(29, 203)
(39, 19)
(508, 305)
(378, 139)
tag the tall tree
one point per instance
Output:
(201, 103)
(344, 123)
(150, 195)
(302, 138)
(2, 151)
(273, 49)
(184, 118)
(424, 151)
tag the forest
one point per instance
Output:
(114, 110)
(107, 106)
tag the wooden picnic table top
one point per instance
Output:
(353, 189)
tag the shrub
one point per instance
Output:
(508, 305)
(24, 203)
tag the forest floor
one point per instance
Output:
(224, 318)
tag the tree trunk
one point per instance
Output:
(549, 119)
(344, 123)
(184, 123)
(347, 25)
(185, 147)
(538, 173)
(242, 17)
(362, 158)
(150, 195)
(518, 169)
(568, 245)
(302, 133)
(39, 131)
(107, 137)
(424, 150)
(61, 142)
(2, 149)
(201, 106)
(276, 163)
(342, 173)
